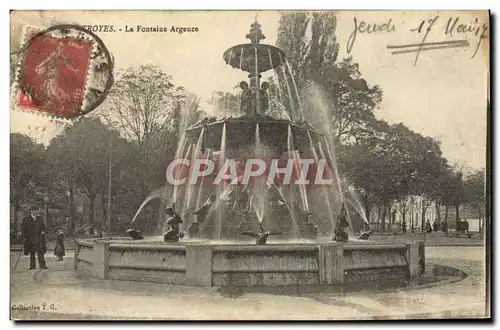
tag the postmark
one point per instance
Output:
(64, 71)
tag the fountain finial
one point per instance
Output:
(255, 35)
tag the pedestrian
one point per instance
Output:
(435, 226)
(428, 227)
(59, 250)
(33, 231)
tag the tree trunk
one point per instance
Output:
(403, 216)
(384, 213)
(91, 210)
(104, 211)
(17, 225)
(72, 215)
(16, 209)
(438, 213)
(411, 221)
(446, 208)
(422, 221)
(457, 212)
(379, 213)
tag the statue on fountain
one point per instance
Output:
(246, 99)
(366, 233)
(342, 224)
(173, 233)
(248, 103)
(261, 236)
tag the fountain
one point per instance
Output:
(301, 205)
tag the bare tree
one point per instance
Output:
(144, 106)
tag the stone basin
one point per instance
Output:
(215, 263)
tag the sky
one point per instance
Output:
(444, 95)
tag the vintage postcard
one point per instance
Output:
(249, 165)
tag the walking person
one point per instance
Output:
(33, 231)
(428, 227)
(59, 250)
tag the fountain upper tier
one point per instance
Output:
(244, 56)
(254, 57)
(240, 132)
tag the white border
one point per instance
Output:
(186, 4)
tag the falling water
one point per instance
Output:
(296, 158)
(277, 88)
(202, 183)
(190, 187)
(292, 186)
(257, 84)
(338, 190)
(356, 204)
(185, 114)
(219, 215)
(241, 57)
(158, 193)
(238, 104)
(290, 96)
(258, 187)
(320, 109)
(296, 89)
(230, 56)
(178, 153)
(226, 105)
(333, 160)
(269, 98)
(326, 194)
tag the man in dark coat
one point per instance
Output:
(33, 229)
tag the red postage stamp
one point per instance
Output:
(55, 74)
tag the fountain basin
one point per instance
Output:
(205, 263)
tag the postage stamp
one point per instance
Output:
(64, 71)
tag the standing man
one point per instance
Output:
(33, 230)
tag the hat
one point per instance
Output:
(33, 208)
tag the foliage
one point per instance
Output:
(350, 100)
(150, 112)
(475, 193)
(27, 169)
(79, 158)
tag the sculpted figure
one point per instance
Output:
(173, 233)
(261, 236)
(246, 99)
(342, 224)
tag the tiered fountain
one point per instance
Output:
(304, 217)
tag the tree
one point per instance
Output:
(27, 167)
(309, 58)
(225, 104)
(475, 193)
(149, 110)
(79, 159)
(457, 189)
(350, 101)
(390, 165)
